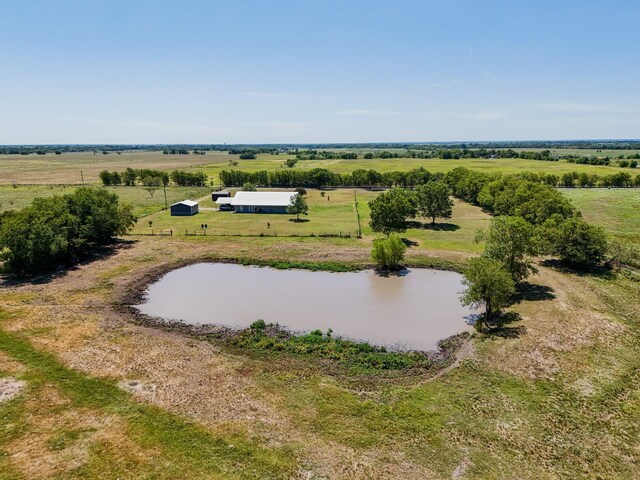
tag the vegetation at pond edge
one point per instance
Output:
(357, 357)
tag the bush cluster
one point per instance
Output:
(58, 229)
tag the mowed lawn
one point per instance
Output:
(616, 209)
(333, 214)
(143, 202)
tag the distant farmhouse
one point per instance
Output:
(262, 202)
(184, 208)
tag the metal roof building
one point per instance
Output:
(262, 202)
(184, 208)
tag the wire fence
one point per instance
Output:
(200, 232)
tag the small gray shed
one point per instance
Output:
(184, 208)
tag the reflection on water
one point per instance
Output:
(413, 310)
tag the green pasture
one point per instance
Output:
(454, 234)
(333, 214)
(143, 202)
(616, 209)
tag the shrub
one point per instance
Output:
(388, 252)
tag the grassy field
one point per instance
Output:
(13, 197)
(331, 214)
(67, 167)
(334, 214)
(70, 168)
(501, 165)
(617, 210)
(105, 398)
(555, 394)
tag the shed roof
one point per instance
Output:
(263, 199)
(189, 203)
(224, 200)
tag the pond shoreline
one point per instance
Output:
(134, 292)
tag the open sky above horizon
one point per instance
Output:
(256, 71)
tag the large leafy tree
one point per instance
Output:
(390, 210)
(433, 200)
(488, 285)
(512, 241)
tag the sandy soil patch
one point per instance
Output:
(10, 388)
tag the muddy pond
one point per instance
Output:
(414, 309)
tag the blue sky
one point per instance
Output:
(317, 71)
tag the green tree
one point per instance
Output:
(105, 177)
(575, 241)
(129, 177)
(151, 184)
(249, 187)
(388, 252)
(433, 200)
(298, 206)
(488, 285)
(390, 210)
(512, 241)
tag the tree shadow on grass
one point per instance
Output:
(533, 292)
(438, 227)
(10, 279)
(409, 243)
(299, 220)
(591, 271)
(502, 326)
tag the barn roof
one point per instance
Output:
(189, 203)
(263, 199)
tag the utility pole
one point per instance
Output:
(82, 177)
(164, 188)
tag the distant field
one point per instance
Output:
(143, 203)
(502, 165)
(617, 210)
(69, 168)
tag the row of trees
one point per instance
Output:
(321, 177)
(55, 230)
(153, 178)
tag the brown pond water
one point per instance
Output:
(414, 309)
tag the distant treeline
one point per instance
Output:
(150, 177)
(321, 177)
(294, 148)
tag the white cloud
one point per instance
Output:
(369, 113)
(278, 95)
